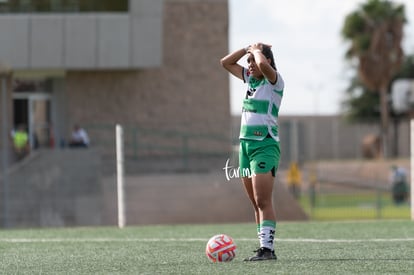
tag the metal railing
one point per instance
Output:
(348, 201)
(150, 147)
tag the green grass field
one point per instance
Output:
(365, 247)
(354, 206)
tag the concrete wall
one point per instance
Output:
(192, 198)
(54, 188)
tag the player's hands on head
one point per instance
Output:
(257, 46)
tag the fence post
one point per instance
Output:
(379, 203)
(412, 165)
(135, 142)
(5, 144)
(312, 190)
(120, 174)
(185, 152)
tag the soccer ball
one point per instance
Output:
(221, 248)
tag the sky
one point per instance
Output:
(308, 47)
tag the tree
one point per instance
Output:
(407, 68)
(361, 104)
(375, 31)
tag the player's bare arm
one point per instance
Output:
(229, 62)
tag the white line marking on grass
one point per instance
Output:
(102, 240)
(345, 240)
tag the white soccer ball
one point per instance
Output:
(221, 248)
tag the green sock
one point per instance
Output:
(268, 223)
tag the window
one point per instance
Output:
(62, 6)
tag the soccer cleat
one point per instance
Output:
(262, 254)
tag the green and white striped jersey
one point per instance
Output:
(261, 107)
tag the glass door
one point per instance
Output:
(33, 110)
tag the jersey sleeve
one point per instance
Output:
(280, 83)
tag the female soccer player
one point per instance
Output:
(259, 140)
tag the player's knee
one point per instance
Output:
(262, 203)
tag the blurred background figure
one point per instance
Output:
(79, 138)
(20, 142)
(399, 185)
(371, 146)
(294, 179)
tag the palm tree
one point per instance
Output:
(375, 31)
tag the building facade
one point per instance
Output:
(150, 65)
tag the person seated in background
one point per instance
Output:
(21, 144)
(399, 182)
(79, 138)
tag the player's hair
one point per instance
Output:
(267, 52)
